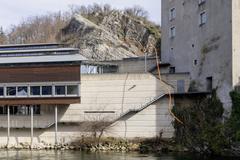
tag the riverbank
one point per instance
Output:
(138, 145)
(154, 145)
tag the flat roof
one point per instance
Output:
(86, 62)
(42, 59)
(30, 45)
(38, 53)
(38, 50)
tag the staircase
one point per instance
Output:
(128, 112)
(134, 111)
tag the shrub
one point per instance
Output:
(233, 124)
(203, 130)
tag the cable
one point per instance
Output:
(169, 92)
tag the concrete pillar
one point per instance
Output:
(8, 125)
(31, 109)
(145, 63)
(56, 125)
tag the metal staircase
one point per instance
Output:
(134, 111)
(126, 113)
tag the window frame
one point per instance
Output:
(72, 94)
(22, 95)
(202, 20)
(32, 95)
(172, 14)
(172, 32)
(55, 91)
(47, 95)
(3, 91)
(11, 95)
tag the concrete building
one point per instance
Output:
(202, 37)
(36, 81)
(41, 88)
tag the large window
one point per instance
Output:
(11, 91)
(72, 90)
(46, 90)
(1, 91)
(22, 91)
(20, 110)
(35, 90)
(60, 90)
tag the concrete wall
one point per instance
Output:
(135, 65)
(107, 92)
(210, 44)
(236, 41)
(119, 93)
(173, 79)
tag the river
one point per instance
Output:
(78, 155)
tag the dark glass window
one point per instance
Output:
(22, 91)
(72, 90)
(36, 109)
(1, 91)
(60, 90)
(2, 109)
(46, 90)
(35, 90)
(21, 110)
(11, 91)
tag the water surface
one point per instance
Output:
(78, 155)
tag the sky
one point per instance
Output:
(13, 12)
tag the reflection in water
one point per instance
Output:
(77, 155)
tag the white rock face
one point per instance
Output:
(116, 36)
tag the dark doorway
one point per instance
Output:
(209, 83)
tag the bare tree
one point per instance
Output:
(3, 37)
(136, 11)
(39, 29)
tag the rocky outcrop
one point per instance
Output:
(112, 37)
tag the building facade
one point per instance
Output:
(202, 37)
(36, 81)
(50, 94)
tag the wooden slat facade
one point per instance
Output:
(21, 74)
(36, 101)
(39, 73)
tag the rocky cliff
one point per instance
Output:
(111, 37)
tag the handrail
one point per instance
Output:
(139, 109)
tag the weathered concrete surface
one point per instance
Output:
(109, 92)
(214, 45)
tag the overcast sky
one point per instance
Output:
(14, 11)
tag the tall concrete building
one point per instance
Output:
(202, 37)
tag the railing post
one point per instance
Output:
(56, 125)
